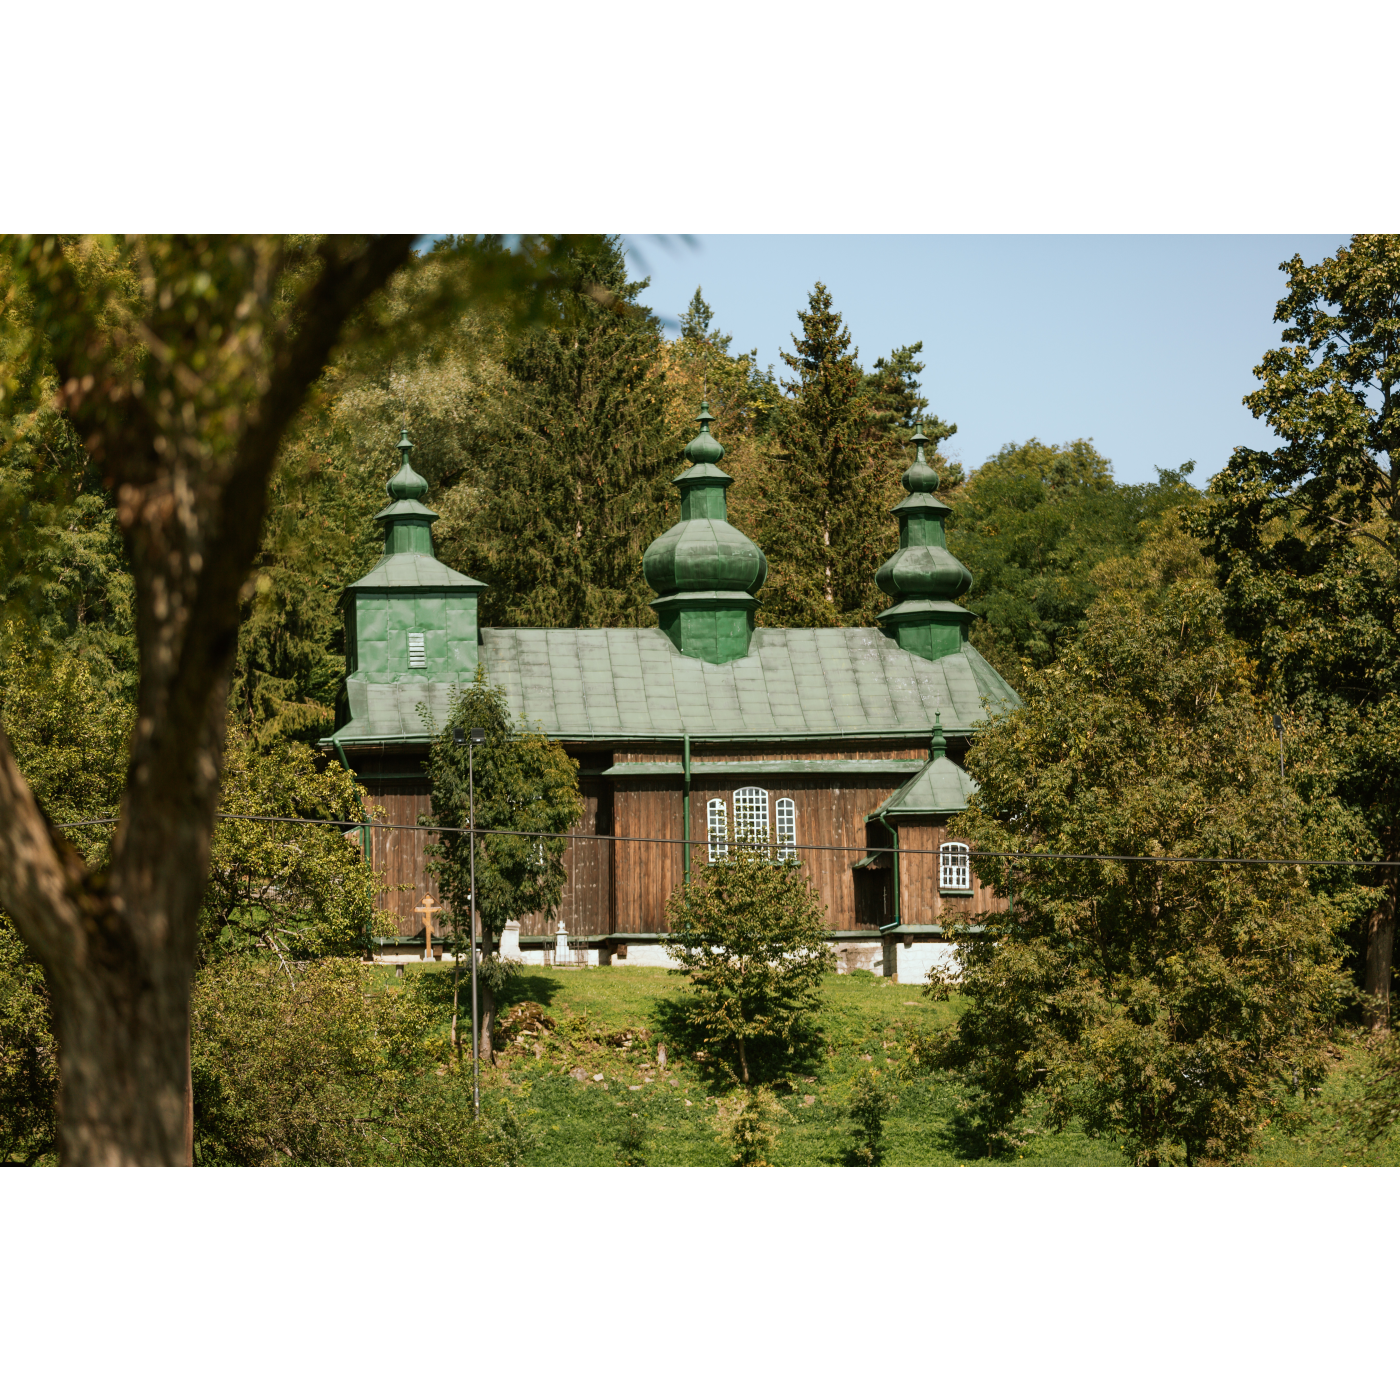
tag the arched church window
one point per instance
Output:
(751, 815)
(954, 872)
(785, 818)
(717, 825)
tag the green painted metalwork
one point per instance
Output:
(685, 806)
(704, 571)
(922, 576)
(939, 788)
(816, 767)
(410, 623)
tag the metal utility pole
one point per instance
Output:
(477, 736)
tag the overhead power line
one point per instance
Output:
(769, 844)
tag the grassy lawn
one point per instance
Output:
(597, 1097)
(594, 1094)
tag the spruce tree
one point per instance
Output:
(576, 481)
(825, 530)
(897, 407)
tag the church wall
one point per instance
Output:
(399, 856)
(645, 873)
(920, 900)
(587, 903)
(745, 753)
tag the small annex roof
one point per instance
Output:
(618, 683)
(939, 788)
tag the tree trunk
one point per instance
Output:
(188, 454)
(1380, 951)
(486, 1008)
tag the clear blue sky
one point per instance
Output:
(1144, 343)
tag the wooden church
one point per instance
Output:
(845, 740)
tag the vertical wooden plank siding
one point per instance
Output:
(399, 857)
(586, 903)
(645, 872)
(920, 901)
(827, 815)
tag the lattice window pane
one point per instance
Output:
(785, 815)
(417, 651)
(954, 872)
(717, 826)
(751, 814)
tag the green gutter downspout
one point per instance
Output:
(894, 841)
(685, 805)
(365, 848)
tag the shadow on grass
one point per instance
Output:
(531, 984)
(770, 1062)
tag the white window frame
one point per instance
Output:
(785, 825)
(417, 651)
(954, 868)
(751, 824)
(717, 827)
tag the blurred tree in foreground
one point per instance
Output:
(179, 363)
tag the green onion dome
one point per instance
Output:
(406, 484)
(704, 552)
(922, 567)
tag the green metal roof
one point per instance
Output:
(816, 767)
(414, 571)
(623, 683)
(938, 788)
(796, 683)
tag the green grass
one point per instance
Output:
(638, 1114)
(671, 1118)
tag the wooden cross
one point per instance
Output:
(427, 909)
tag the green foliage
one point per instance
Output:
(68, 724)
(824, 527)
(750, 937)
(1166, 1005)
(869, 1106)
(523, 782)
(1307, 542)
(295, 891)
(575, 480)
(1031, 524)
(28, 1057)
(749, 1129)
(320, 1065)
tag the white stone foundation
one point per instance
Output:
(913, 963)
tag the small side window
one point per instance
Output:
(954, 872)
(786, 814)
(417, 651)
(717, 826)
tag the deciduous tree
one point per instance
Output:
(523, 781)
(749, 934)
(179, 362)
(1171, 1006)
(1307, 539)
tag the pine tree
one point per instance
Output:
(825, 531)
(695, 324)
(576, 484)
(897, 407)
